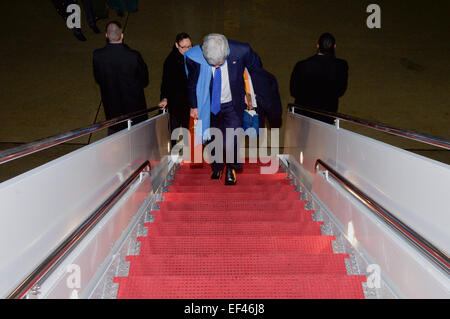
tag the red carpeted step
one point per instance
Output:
(186, 197)
(220, 188)
(204, 172)
(229, 245)
(235, 229)
(232, 205)
(249, 265)
(247, 164)
(253, 240)
(208, 171)
(230, 217)
(240, 181)
(249, 287)
(188, 178)
(221, 182)
(247, 170)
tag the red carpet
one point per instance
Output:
(254, 240)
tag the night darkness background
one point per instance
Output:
(399, 74)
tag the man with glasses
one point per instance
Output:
(174, 94)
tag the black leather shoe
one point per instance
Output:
(216, 175)
(230, 177)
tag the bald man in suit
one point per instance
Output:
(122, 76)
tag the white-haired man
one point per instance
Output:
(217, 91)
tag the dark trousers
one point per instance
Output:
(177, 120)
(227, 118)
(89, 11)
(179, 116)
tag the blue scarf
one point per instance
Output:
(203, 95)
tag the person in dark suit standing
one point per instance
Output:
(217, 91)
(122, 76)
(319, 81)
(174, 94)
(268, 98)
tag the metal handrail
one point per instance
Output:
(47, 266)
(434, 254)
(45, 143)
(419, 137)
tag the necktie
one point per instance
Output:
(216, 90)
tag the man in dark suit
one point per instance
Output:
(218, 68)
(320, 80)
(174, 95)
(122, 75)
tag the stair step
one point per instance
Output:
(235, 229)
(248, 287)
(233, 205)
(244, 165)
(249, 265)
(208, 171)
(213, 182)
(220, 188)
(187, 197)
(187, 178)
(229, 245)
(231, 216)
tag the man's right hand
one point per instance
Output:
(163, 103)
(194, 113)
